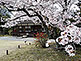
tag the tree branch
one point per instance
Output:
(27, 13)
(18, 17)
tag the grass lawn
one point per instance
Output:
(32, 53)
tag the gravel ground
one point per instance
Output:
(10, 43)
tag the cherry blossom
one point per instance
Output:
(70, 50)
(63, 14)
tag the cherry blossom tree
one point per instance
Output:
(62, 14)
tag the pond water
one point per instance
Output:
(11, 38)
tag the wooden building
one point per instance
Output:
(27, 28)
(1, 30)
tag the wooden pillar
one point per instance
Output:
(6, 52)
(19, 46)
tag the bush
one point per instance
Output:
(41, 39)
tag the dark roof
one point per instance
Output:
(27, 22)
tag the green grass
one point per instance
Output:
(32, 53)
(4, 35)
